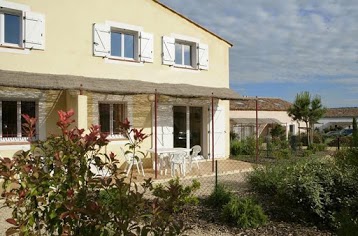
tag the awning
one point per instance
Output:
(247, 121)
(110, 86)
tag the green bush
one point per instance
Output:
(345, 141)
(244, 213)
(51, 189)
(312, 190)
(244, 147)
(219, 197)
(318, 147)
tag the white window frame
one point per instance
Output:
(19, 137)
(199, 52)
(135, 44)
(2, 27)
(193, 54)
(125, 105)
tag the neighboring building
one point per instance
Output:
(105, 59)
(271, 112)
(338, 118)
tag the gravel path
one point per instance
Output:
(5, 213)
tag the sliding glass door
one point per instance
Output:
(188, 126)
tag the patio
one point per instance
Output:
(225, 167)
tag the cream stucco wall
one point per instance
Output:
(69, 43)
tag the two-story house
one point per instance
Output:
(105, 59)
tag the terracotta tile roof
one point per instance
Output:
(342, 112)
(264, 104)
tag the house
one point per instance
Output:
(270, 112)
(106, 59)
(341, 118)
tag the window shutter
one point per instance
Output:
(168, 50)
(203, 52)
(101, 40)
(146, 47)
(34, 35)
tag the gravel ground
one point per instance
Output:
(5, 213)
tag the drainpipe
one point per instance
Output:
(156, 133)
(212, 131)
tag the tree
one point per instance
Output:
(355, 133)
(307, 110)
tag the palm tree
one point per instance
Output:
(308, 110)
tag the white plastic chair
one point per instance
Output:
(177, 161)
(195, 157)
(130, 161)
(99, 172)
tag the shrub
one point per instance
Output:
(219, 197)
(244, 213)
(345, 141)
(52, 190)
(278, 132)
(312, 190)
(244, 147)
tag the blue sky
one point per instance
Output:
(283, 47)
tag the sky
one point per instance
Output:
(284, 47)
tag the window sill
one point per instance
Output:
(123, 59)
(185, 67)
(12, 46)
(116, 137)
(14, 141)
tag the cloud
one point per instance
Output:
(277, 41)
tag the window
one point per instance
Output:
(11, 122)
(11, 28)
(21, 28)
(185, 53)
(292, 129)
(118, 41)
(111, 116)
(122, 45)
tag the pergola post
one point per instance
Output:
(212, 132)
(156, 133)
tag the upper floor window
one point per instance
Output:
(21, 28)
(185, 53)
(122, 44)
(11, 119)
(10, 25)
(111, 115)
(118, 41)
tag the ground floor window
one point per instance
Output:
(111, 115)
(11, 119)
